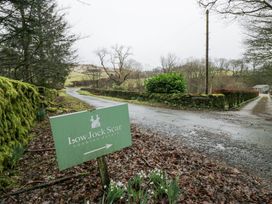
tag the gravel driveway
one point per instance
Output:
(239, 138)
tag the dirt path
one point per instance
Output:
(240, 139)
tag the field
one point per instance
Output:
(75, 76)
(79, 75)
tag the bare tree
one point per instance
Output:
(219, 72)
(256, 8)
(221, 63)
(259, 41)
(117, 63)
(258, 25)
(194, 72)
(238, 66)
(169, 62)
(94, 73)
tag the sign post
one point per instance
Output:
(87, 135)
(103, 170)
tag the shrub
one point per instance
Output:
(49, 94)
(130, 95)
(166, 83)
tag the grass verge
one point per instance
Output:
(261, 106)
(145, 103)
(65, 103)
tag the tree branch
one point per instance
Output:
(43, 185)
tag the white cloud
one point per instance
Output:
(152, 28)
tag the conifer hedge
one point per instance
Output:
(19, 103)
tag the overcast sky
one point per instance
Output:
(152, 28)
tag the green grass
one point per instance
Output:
(144, 103)
(260, 106)
(86, 93)
(75, 76)
(132, 83)
(80, 76)
(137, 102)
(68, 103)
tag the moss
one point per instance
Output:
(180, 100)
(52, 109)
(19, 103)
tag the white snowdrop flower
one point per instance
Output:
(105, 187)
(119, 184)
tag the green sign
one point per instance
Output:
(86, 135)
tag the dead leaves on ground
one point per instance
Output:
(201, 180)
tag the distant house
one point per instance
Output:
(264, 88)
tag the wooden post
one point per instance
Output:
(103, 170)
(207, 51)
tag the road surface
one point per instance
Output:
(239, 138)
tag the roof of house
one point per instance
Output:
(261, 86)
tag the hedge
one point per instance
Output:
(221, 99)
(47, 94)
(130, 95)
(233, 98)
(213, 101)
(19, 103)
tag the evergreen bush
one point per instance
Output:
(166, 83)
